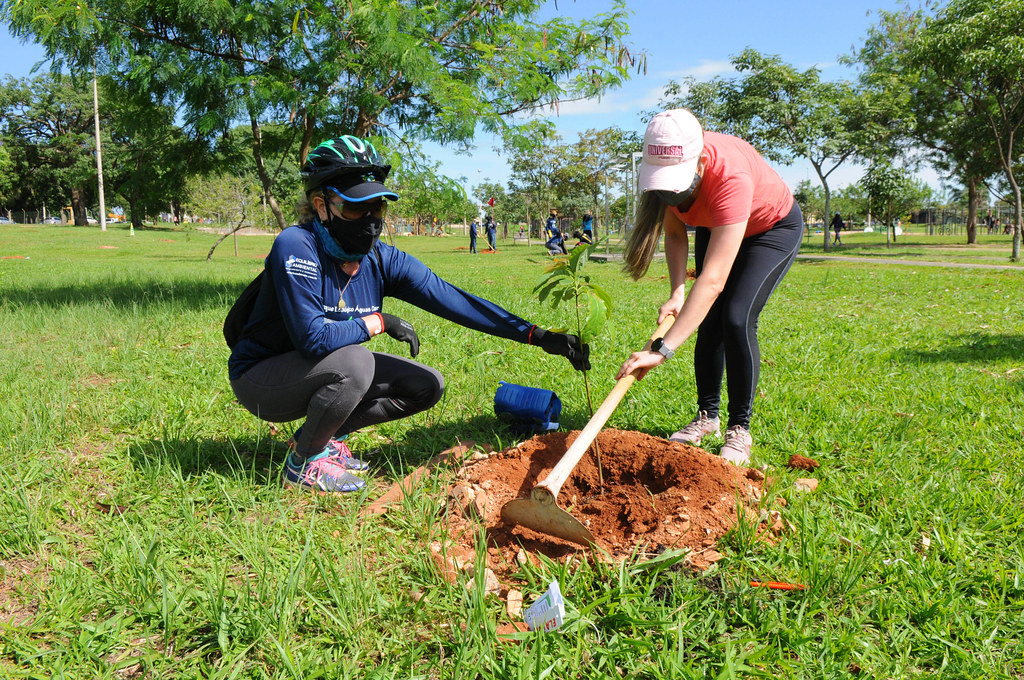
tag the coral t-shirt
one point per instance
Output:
(738, 186)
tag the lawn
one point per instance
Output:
(145, 532)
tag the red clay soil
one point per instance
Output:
(798, 462)
(656, 494)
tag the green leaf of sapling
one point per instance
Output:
(595, 319)
(599, 292)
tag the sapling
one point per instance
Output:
(566, 281)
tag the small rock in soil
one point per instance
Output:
(514, 604)
(806, 485)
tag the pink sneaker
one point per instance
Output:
(695, 431)
(737, 445)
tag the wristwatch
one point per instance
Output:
(658, 345)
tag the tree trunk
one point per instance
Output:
(132, 202)
(78, 206)
(825, 218)
(972, 209)
(1017, 225)
(827, 244)
(308, 127)
(261, 170)
(134, 198)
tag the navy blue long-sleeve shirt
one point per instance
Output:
(307, 303)
(551, 226)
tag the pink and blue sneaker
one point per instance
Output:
(340, 452)
(322, 472)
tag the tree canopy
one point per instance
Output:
(413, 71)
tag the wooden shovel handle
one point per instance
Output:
(556, 478)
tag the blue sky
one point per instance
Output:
(679, 39)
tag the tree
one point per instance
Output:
(533, 171)
(960, 70)
(147, 159)
(953, 138)
(437, 71)
(427, 196)
(8, 179)
(49, 123)
(599, 158)
(889, 191)
(811, 199)
(230, 199)
(975, 47)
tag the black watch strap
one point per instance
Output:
(658, 345)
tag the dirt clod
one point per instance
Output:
(798, 462)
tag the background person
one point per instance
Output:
(748, 232)
(555, 243)
(472, 236)
(492, 232)
(303, 352)
(588, 228)
(837, 225)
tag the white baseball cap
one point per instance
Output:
(672, 147)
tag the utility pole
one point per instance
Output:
(99, 154)
(607, 221)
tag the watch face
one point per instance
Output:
(656, 345)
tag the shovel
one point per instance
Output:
(540, 512)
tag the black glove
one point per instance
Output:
(403, 331)
(568, 346)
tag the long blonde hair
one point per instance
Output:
(643, 240)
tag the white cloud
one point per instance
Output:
(705, 70)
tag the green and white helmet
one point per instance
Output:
(342, 160)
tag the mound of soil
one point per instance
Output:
(654, 494)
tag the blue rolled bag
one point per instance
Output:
(527, 409)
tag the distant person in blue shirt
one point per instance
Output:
(472, 236)
(305, 351)
(492, 232)
(555, 243)
(588, 228)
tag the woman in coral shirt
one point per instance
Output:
(748, 230)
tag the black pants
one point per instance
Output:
(346, 390)
(727, 338)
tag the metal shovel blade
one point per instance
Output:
(540, 513)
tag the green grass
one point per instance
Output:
(144, 531)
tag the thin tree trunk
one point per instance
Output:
(1017, 224)
(828, 207)
(972, 210)
(308, 127)
(261, 170)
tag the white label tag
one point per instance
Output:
(547, 612)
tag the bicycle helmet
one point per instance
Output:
(347, 163)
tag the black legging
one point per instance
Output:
(728, 335)
(349, 389)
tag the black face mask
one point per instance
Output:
(356, 237)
